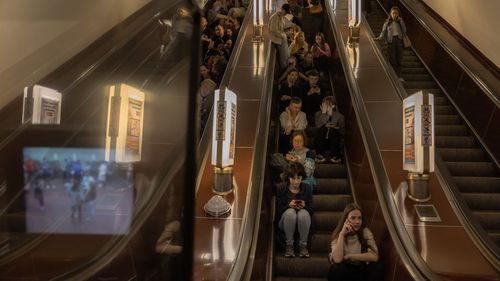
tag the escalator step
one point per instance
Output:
(420, 84)
(443, 109)
(332, 186)
(462, 154)
(329, 202)
(410, 58)
(433, 90)
(411, 64)
(446, 119)
(483, 201)
(416, 77)
(326, 221)
(440, 100)
(490, 220)
(455, 142)
(317, 266)
(320, 241)
(283, 278)
(478, 184)
(330, 171)
(414, 70)
(475, 169)
(450, 130)
(495, 236)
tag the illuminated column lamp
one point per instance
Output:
(41, 105)
(354, 21)
(418, 143)
(258, 12)
(223, 150)
(124, 124)
(353, 52)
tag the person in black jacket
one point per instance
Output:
(294, 208)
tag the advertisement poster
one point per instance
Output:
(132, 141)
(409, 135)
(233, 131)
(427, 125)
(49, 111)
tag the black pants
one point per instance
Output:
(395, 49)
(350, 272)
(328, 142)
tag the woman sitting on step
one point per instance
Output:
(354, 253)
(294, 208)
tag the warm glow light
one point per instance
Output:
(418, 133)
(258, 59)
(125, 124)
(353, 53)
(224, 128)
(354, 12)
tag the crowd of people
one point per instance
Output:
(306, 101)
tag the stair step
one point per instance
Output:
(462, 154)
(317, 266)
(440, 100)
(495, 236)
(455, 142)
(478, 184)
(414, 70)
(410, 58)
(420, 84)
(326, 221)
(475, 169)
(442, 119)
(416, 77)
(320, 242)
(490, 220)
(482, 201)
(443, 109)
(432, 90)
(332, 186)
(450, 130)
(411, 64)
(330, 170)
(332, 203)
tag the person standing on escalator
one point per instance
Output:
(392, 32)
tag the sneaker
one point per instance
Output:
(336, 160)
(303, 252)
(320, 158)
(289, 252)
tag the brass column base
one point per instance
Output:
(418, 187)
(223, 181)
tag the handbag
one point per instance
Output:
(406, 41)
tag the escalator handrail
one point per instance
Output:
(486, 89)
(477, 233)
(410, 257)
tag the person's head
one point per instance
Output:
(394, 14)
(228, 44)
(204, 71)
(319, 39)
(300, 37)
(292, 61)
(292, 76)
(183, 12)
(353, 214)
(295, 105)
(285, 9)
(219, 30)
(294, 174)
(309, 58)
(312, 77)
(298, 139)
(330, 100)
(203, 22)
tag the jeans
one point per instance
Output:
(291, 219)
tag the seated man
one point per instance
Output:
(314, 94)
(331, 129)
(290, 120)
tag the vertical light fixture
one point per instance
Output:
(354, 21)
(258, 13)
(223, 150)
(418, 143)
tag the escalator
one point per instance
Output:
(472, 169)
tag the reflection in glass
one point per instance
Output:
(73, 190)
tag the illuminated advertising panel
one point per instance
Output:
(224, 128)
(125, 124)
(41, 105)
(418, 133)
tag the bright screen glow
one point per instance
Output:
(73, 190)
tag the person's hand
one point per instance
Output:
(288, 131)
(347, 228)
(329, 110)
(347, 257)
(285, 97)
(323, 107)
(300, 204)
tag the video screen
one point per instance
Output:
(74, 191)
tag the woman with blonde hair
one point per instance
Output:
(299, 44)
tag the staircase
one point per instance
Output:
(475, 174)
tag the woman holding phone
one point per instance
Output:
(294, 209)
(354, 253)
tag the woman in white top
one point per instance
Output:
(354, 253)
